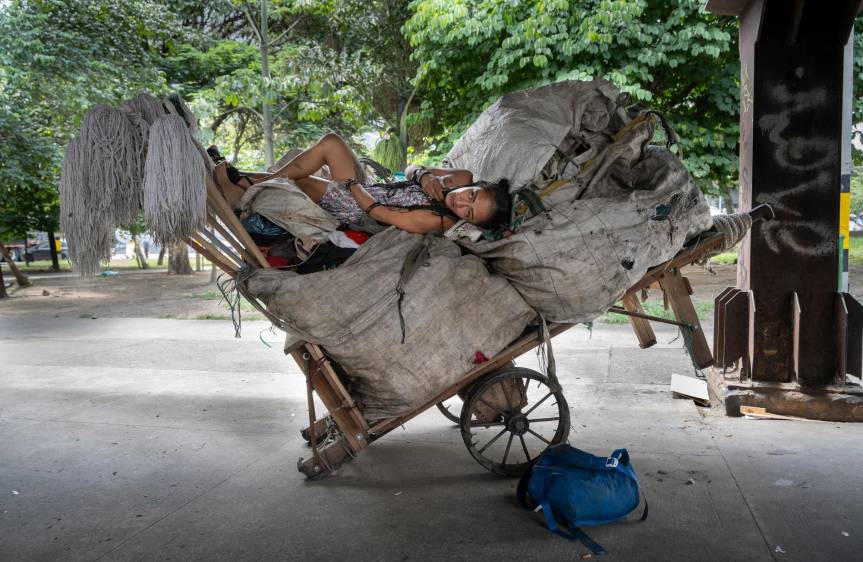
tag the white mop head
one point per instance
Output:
(175, 190)
(88, 229)
(114, 148)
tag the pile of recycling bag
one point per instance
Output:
(596, 204)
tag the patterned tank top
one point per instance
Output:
(341, 204)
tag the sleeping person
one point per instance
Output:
(433, 200)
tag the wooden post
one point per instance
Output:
(676, 289)
(641, 326)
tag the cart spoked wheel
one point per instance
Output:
(451, 409)
(511, 417)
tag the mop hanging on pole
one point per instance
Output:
(175, 189)
(142, 156)
(145, 105)
(112, 146)
(89, 231)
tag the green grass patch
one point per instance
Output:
(855, 251)
(704, 309)
(726, 258)
(210, 296)
(226, 317)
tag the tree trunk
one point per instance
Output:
(3, 293)
(727, 201)
(20, 278)
(265, 86)
(52, 246)
(178, 259)
(140, 256)
(161, 259)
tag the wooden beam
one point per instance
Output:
(338, 401)
(213, 219)
(673, 284)
(227, 216)
(641, 327)
(214, 259)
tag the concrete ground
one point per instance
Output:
(136, 439)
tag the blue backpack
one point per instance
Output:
(574, 488)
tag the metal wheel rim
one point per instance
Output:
(507, 435)
(448, 414)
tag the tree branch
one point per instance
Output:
(217, 122)
(252, 23)
(283, 34)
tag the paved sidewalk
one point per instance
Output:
(136, 439)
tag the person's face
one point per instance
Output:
(472, 204)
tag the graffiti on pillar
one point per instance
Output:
(806, 159)
(745, 90)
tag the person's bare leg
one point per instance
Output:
(230, 191)
(330, 150)
(313, 186)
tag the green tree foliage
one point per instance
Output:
(59, 58)
(217, 63)
(669, 55)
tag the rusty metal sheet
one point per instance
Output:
(841, 339)
(855, 335)
(735, 313)
(795, 327)
(719, 321)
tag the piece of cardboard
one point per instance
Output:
(690, 387)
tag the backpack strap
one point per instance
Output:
(574, 533)
(521, 491)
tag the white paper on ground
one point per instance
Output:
(689, 386)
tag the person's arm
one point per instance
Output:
(434, 181)
(418, 222)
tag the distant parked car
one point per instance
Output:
(42, 252)
(13, 253)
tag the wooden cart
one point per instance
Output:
(510, 415)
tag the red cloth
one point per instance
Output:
(277, 261)
(358, 237)
(479, 358)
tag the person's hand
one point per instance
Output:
(434, 186)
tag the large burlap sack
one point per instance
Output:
(285, 204)
(631, 208)
(540, 133)
(451, 305)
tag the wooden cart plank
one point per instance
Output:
(675, 287)
(332, 393)
(214, 258)
(641, 326)
(227, 216)
(517, 348)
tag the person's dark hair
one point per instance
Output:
(502, 204)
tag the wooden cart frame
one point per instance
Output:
(344, 432)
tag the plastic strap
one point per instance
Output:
(621, 455)
(411, 265)
(575, 534)
(550, 366)
(532, 200)
(521, 491)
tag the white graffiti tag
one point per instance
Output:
(800, 156)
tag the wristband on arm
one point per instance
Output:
(418, 174)
(368, 209)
